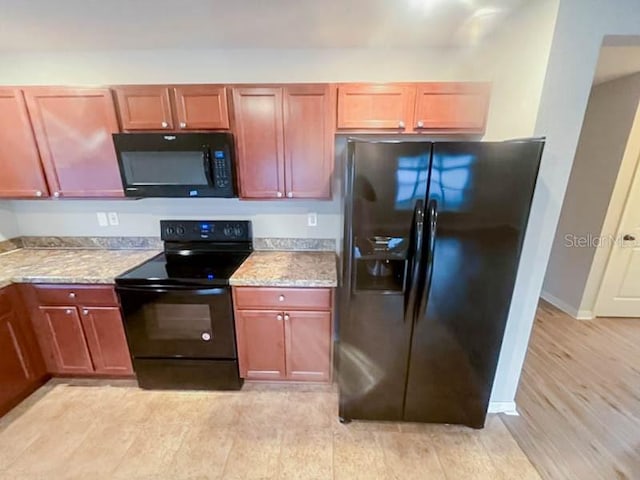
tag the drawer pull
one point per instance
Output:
(72, 295)
(281, 298)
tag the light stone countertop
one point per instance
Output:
(68, 265)
(287, 269)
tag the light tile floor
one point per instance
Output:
(93, 430)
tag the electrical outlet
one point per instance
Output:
(312, 219)
(113, 218)
(102, 219)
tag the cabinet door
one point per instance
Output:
(260, 335)
(451, 107)
(145, 107)
(202, 107)
(375, 106)
(62, 330)
(107, 342)
(73, 128)
(308, 345)
(20, 167)
(259, 136)
(308, 138)
(15, 371)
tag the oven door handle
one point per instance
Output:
(174, 289)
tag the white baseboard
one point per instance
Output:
(569, 309)
(508, 408)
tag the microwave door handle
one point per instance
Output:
(208, 167)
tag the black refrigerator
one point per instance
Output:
(432, 240)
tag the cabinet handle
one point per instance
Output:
(38, 193)
(68, 311)
(72, 295)
(56, 194)
(85, 312)
(279, 194)
(183, 125)
(420, 124)
(400, 124)
(279, 317)
(164, 124)
(281, 298)
(286, 317)
(290, 194)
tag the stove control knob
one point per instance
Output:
(180, 230)
(228, 231)
(237, 231)
(170, 230)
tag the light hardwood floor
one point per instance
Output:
(579, 397)
(120, 432)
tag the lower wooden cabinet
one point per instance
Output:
(106, 339)
(260, 335)
(21, 366)
(281, 338)
(64, 342)
(80, 330)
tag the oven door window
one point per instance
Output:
(168, 321)
(190, 324)
(164, 168)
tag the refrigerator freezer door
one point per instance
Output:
(484, 192)
(384, 183)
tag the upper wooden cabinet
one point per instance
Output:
(73, 128)
(260, 141)
(161, 107)
(21, 171)
(375, 107)
(451, 106)
(144, 107)
(201, 107)
(285, 140)
(308, 140)
(414, 108)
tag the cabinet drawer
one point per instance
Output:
(282, 298)
(75, 294)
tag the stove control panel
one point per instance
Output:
(205, 230)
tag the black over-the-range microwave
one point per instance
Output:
(176, 164)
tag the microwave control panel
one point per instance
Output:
(221, 169)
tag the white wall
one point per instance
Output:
(580, 28)
(8, 224)
(607, 123)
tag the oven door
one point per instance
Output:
(178, 322)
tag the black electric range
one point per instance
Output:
(177, 306)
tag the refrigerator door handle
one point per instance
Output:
(431, 225)
(415, 267)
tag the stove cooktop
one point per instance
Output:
(210, 269)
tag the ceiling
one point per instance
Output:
(617, 61)
(47, 25)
